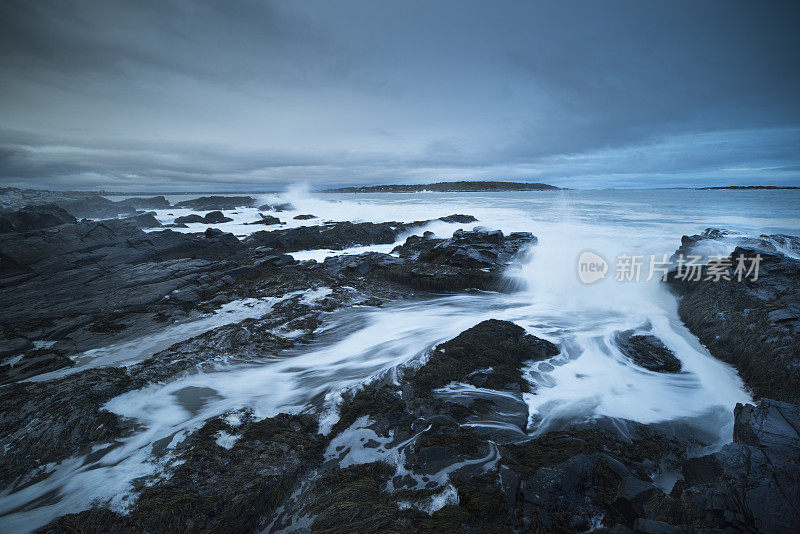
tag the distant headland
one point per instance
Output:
(750, 187)
(447, 187)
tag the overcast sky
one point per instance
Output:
(159, 95)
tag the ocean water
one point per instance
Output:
(589, 378)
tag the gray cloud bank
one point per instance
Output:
(258, 95)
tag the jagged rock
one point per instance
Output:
(35, 218)
(305, 217)
(216, 203)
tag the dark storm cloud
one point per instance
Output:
(204, 95)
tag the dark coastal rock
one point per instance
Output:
(13, 198)
(212, 217)
(304, 217)
(188, 219)
(48, 421)
(334, 236)
(216, 203)
(217, 488)
(752, 484)
(45, 422)
(97, 207)
(35, 218)
(699, 243)
(563, 481)
(458, 218)
(649, 352)
(59, 282)
(467, 260)
(148, 203)
(145, 220)
(435, 431)
(499, 345)
(286, 206)
(266, 220)
(753, 324)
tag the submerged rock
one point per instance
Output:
(305, 217)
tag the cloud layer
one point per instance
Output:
(257, 95)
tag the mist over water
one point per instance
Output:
(589, 378)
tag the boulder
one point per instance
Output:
(212, 217)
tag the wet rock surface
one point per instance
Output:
(334, 236)
(420, 452)
(751, 485)
(267, 220)
(444, 443)
(470, 259)
(751, 323)
(217, 488)
(78, 284)
(649, 352)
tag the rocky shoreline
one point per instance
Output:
(443, 443)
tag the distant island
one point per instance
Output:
(447, 187)
(750, 187)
